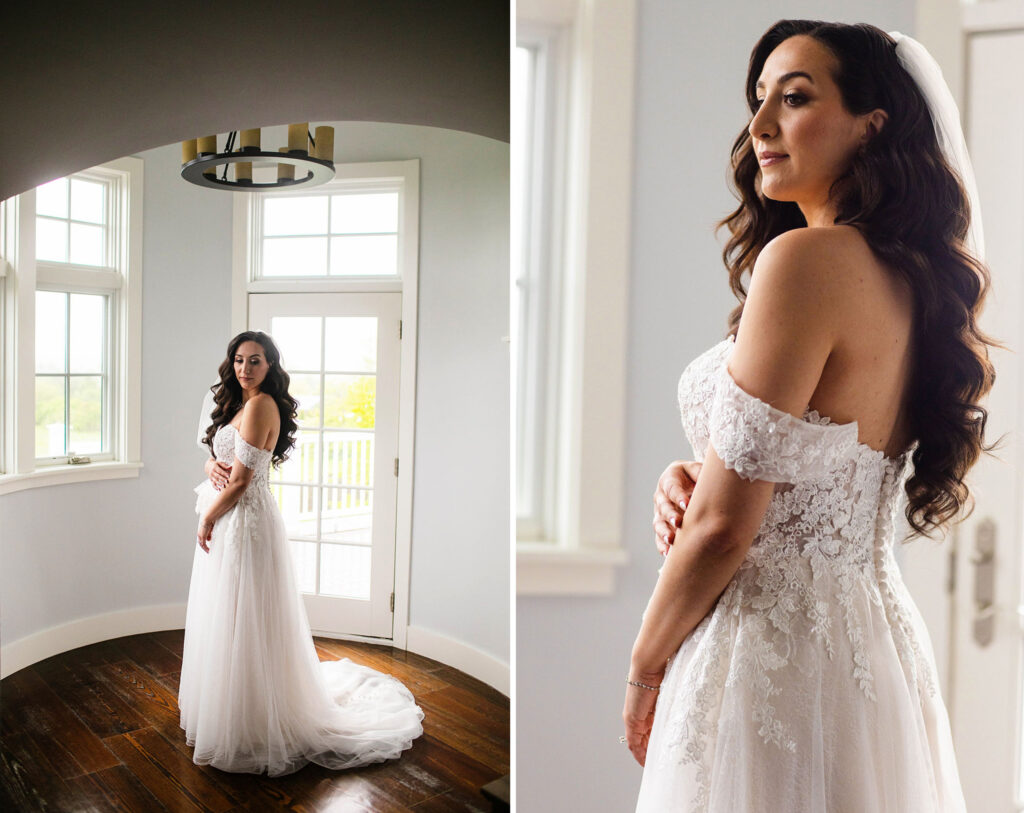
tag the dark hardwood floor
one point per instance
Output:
(97, 728)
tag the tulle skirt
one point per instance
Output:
(750, 719)
(253, 695)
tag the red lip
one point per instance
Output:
(768, 154)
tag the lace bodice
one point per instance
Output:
(822, 555)
(228, 444)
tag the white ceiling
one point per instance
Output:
(85, 83)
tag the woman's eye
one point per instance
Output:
(794, 98)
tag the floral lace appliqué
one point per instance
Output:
(821, 560)
(228, 447)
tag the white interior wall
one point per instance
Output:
(78, 550)
(572, 655)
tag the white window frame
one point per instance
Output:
(405, 176)
(121, 281)
(595, 255)
(536, 299)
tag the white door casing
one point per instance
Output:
(986, 677)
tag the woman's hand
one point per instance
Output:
(638, 713)
(204, 533)
(675, 487)
(218, 472)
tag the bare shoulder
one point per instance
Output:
(261, 409)
(803, 274)
(812, 253)
(832, 265)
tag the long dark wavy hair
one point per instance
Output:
(227, 395)
(911, 207)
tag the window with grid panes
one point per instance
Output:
(74, 228)
(334, 234)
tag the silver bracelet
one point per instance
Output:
(643, 685)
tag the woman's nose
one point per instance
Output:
(762, 125)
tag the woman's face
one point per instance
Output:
(250, 365)
(802, 119)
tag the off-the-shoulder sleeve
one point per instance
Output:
(760, 442)
(248, 455)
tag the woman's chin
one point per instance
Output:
(776, 192)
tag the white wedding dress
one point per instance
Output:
(253, 695)
(811, 686)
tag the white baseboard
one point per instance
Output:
(84, 631)
(460, 655)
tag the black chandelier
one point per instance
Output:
(307, 160)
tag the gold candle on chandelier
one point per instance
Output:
(207, 145)
(188, 151)
(298, 137)
(251, 138)
(243, 171)
(324, 149)
(285, 171)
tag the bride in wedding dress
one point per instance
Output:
(781, 664)
(253, 695)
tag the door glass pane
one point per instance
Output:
(347, 516)
(351, 344)
(51, 240)
(298, 339)
(51, 324)
(372, 254)
(86, 413)
(86, 244)
(350, 401)
(345, 571)
(304, 561)
(294, 256)
(301, 465)
(359, 214)
(305, 389)
(298, 505)
(49, 415)
(348, 458)
(86, 343)
(52, 198)
(286, 216)
(87, 200)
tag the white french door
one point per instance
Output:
(986, 642)
(976, 626)
(338, 489)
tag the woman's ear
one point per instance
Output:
(876, 120)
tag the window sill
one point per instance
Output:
(60, 475)
(548, 570)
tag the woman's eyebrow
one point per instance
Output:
(787, 76)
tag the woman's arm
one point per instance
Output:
(223, 472)
(259, 416)
(787, 332)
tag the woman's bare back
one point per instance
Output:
(867, 375)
